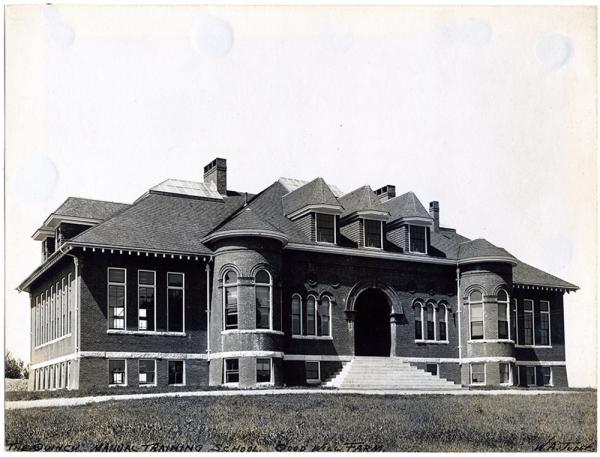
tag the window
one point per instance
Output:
(263, 289)
(311, 309)
(325, 228)
(52, 310)
(313, 372)
(176, 373)
(63, 308)
(545, 376)
(116, 298)
(47, 318)
(373, 233)
(514, 333)
(504, 373)
(230, 299)
(69, 302)
(417, 239)
(543, 329)
(477, 373)
(232, 371)
(263, 371)
(147, 372)
(432, 368)
(146, 299)
(503, 315)
(476, 315)
(430, 322)
(419, 322)
(116, 373)
(36, 337)
(530, 376)
(442, 313)
(324, 317)
(296, 314)
(528, 322)
(175, 302)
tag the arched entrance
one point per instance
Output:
(372, 324)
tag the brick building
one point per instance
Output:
(194, 284)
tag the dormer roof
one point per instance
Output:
(363, 202)
(407, 207)
(313, 196)
(246, 223)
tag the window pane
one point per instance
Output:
(116, 371)
(146, 372)
(312, 370)
(323, 317)
(116, 275)
(372, 234)
(417, 238)
(527, 328)
(230, 277)
(296, 315)
(544, 306)
(528, 305)
(263, 306)
(418, 328)
(175, 280)
(431, 368)
(262, 277)
(442, 331)
(502, 296)
(146, 278)
(546, 375)
(146, 308)
(263, 370)
(175, 310)
(232, 373)
(504, 373)
(175, 372)
(476, 312)
(530, 375)
(310, 316)
(543, 330)
(325, 228)
(476, 330)
(477, 373)
(475, 296)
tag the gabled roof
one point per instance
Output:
(316, 193)
(406, 206)
(163, 223)
(361, 199)
(292, 184)
(482, 250)
(89, 209)
(527, 275)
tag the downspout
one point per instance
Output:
(208, 307)
(458, 307)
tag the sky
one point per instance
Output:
(489, 110)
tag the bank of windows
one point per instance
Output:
(478, 372)
(533, 327)
(417, 239)
(325, 228)
(52, 377)
(531, 376)
(147, 372)
(507, 320)
(146, 300)
(373, 233)
(311, 318)
(53, 312)
(431, 322)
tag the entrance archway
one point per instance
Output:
(372, 324)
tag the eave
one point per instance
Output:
(246, 233)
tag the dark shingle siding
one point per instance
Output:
(353, 231)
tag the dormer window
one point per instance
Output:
(373, 231)
(325, 229)
(417, 239)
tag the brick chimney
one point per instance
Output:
(216, 172)
(434, 211)
(386, 192)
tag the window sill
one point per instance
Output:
(312, 337)
(491, 341)
(313, 381)
(477, 384)
(233, 385)
(265, 384)
(535, 346)
(258, 330)
(147, 385)
(176, 385)
(143, 332)
(432, 342)
(371, 248)
(117, 385)
(417, 253)
(55, 340)
(326, 243)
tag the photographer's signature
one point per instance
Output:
(553, 445)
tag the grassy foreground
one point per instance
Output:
(313, 422)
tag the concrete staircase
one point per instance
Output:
(385, 373)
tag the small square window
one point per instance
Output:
(175, 280)
(432, 368)
(313, 372)
(116, 373)
(176, 372)
(116, 275)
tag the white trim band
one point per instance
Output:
(244, 354)
(63, 358)
(542, 363)
(112, 331)
(254, 331)
(143, 355)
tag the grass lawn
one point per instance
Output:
(314, 422)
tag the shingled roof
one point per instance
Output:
(527, 275)
(245, 220)
(316, 192)
(361, 199)
(89, 209)
(482, 249)
(405, 206)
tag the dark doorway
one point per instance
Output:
(372, 324)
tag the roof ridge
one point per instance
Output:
(92, 200)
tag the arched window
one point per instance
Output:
(476, 315)
(311, 311)
(230, 299)
(442, 316)
(503, 315)
(324, 317)
(430, 322)
(418, 321)
(263, 286)
(296, 314)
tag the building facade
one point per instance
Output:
(195, 285)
